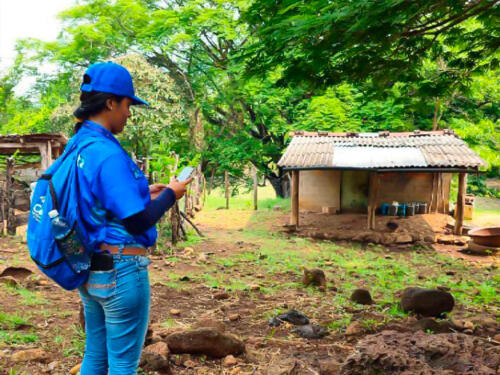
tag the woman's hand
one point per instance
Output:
(179, 187)
(156, 189)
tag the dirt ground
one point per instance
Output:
(249, 256)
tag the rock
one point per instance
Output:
(210, 323)
(450, 239)
(75, 369)
(53, 365)
(361, 296)
(155, 358)
(430, 324)
(329, 367)
(221, 295)
(9, 280)
(389, 238)
(18, 273)
(234, 317)
(229, 361)
(404, 353)
(311, 331)
(360, 237)
(429, 239)
(374, 238)
(427, 302)
(403, 238)
(354, 328)
(36, 355)
(207, 341)
(291, 316)
(189, 364)
(202, 257)
(175, 312)
(314, 277)
(280, 366)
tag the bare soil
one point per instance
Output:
(242, 250)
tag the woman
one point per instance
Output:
(119, 212)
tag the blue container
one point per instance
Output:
(384, 208)
(402, 209)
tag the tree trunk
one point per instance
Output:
(437, 117)
(226, 188)
(280, 184)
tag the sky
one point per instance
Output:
(27, 18)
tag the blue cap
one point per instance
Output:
(111, 78)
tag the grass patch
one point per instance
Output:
(9, 321)
(11, 338)
(77, 342)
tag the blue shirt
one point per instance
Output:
(111, 188)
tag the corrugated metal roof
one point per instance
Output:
(439, 149)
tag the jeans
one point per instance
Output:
(116, 305)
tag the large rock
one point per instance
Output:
(427, 302)
(314, 277)
(361, 296)
(207, 341)
(374, 237)
(403, 238)
(155, 358)
(405, 353)
(329, 367)
(291, 316)
(311, 331)
(36, 355)
(18, 273)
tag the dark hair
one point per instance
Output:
(91, 103)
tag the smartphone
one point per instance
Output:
(185, 174)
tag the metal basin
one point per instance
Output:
(486, 236)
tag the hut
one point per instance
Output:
(358, 172)
(23, 158)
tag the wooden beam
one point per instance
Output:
(295, 198)
(462, 187)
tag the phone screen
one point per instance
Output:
(185, 173)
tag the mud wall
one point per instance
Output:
(347, 191)
(354, 191)
(319, 188)
(414, 187)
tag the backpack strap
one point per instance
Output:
(48, 176)
(53, 194)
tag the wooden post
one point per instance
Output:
(49, 154)
(295, 198)
(9, 196)
(255, 188)
(226, 188)
(462, 187)
(43, 154)
(372, 200)
(2, 210)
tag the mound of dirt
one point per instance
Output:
(404, 353)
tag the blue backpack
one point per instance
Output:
(58, 189)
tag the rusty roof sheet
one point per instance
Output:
(439, 149)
